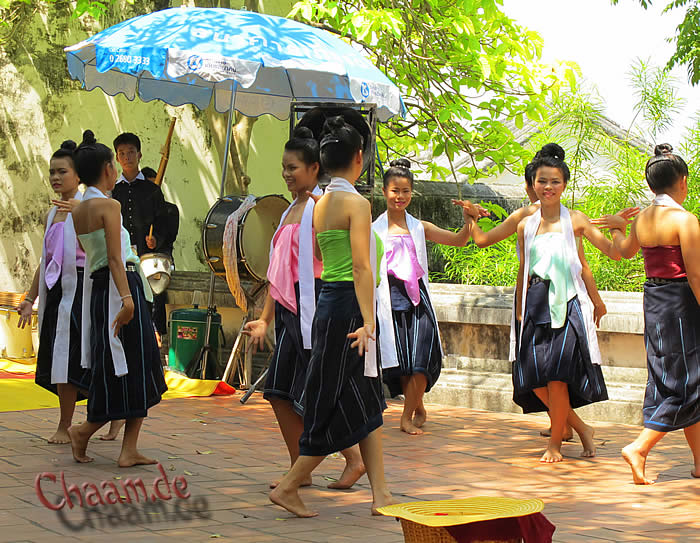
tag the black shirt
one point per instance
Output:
(142, 206)
(171, 226)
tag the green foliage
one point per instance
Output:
(463, 67)
(687, 37)
(607, 166)
(496, 265)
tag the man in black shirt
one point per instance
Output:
(169, 229)
(142, 201)
(171, 225)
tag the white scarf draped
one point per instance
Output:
(571, 252)
(69, 283)
(305, 261)
(114, 305)
(338, 184)
(666, 200)
(387, 339)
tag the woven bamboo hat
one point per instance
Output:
(463, 511)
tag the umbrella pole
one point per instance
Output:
(210, 308)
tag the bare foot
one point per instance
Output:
(114, 428)
(134, 459)
(407, 426)
(386, 499)
(419, 417)
(568, 433)
(291, 501)
(586, 437)
(637, 462)
(308, 482)
(79, 443)
(551, 455)
(696, 473)
(351, 474)
(61, 437)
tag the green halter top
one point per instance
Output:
(337, 255)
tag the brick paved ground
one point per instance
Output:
(464, 453)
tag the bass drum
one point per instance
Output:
(255, 230)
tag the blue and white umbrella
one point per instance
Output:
(186, 55)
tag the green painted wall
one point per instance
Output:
(41, 107)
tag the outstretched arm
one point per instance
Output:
(446, 237)
(599, 309)
(582, 226)
(627, 246)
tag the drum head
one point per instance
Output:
(259, 227)
(157, 267)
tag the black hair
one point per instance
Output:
(340, 142)
(401, 167)
(304, 143)
(127, 138)
(90, 158)
(530, 173)
(551, 155)
(664, 169)
(66, 150)
(148, 172)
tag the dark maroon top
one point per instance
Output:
(664, 261)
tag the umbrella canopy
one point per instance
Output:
(184, 55)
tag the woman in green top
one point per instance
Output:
(343, 397)
(119, 344)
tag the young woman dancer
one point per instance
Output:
(58, 282)
(343, 396)
(669, 237)
(120, 350)
(555, 348)
(409, 339)
(294, 286)
(509, 227)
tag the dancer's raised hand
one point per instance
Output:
(619, 220)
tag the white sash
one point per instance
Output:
(571, 251)
(114, 304)
(387, 339)
(666, 200)
(307, 287)
(69, 283)
(338, 184)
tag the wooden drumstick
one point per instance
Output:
(150, 232)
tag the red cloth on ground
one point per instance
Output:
(533, 528)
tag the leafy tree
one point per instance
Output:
(687, 36)
(463, 67)
(576, 121)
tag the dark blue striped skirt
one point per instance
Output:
(417, 340)
(129, 396)
(341, 405)
(554, 354)
(77, 375)
(672, 338)
(286, 374)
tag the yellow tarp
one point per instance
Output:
(22, 393)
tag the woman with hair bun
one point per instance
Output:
(669, 237)
(409, 339)
(294, 274)
(58, 282)
(509, 227)
(343, 395)
(554, 342)
(120, 350)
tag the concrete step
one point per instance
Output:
(493, 391)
